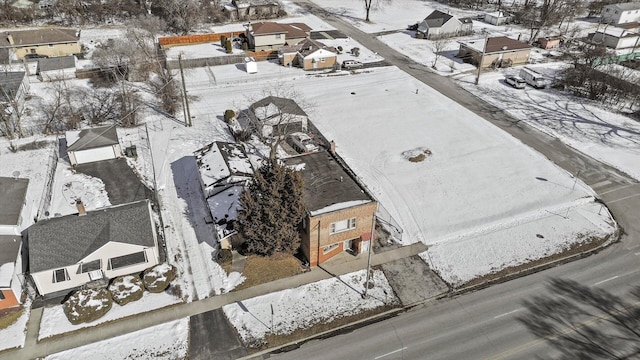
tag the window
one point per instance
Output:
(50, 45)
(60, 275)
(321, 60)
(278, 36)
(127, 260)
(330, 248)
(90, 266)
(343, 225)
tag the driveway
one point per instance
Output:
(212, 337)
(120, 182)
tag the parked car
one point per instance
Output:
(515, 81)
(301, 142)
(34, 56)
(533, 78)
(351, 64)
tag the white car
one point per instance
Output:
(515, 81)
(301, 142)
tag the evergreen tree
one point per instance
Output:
(272, 210)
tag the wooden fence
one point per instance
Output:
(170, 41)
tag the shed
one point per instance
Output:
(498, 18)
(57, 68)
(93, 144)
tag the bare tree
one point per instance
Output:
(11, 115)
(180, 15)
(373, 4)
(549, 13)
(438, 46)
(57, 108)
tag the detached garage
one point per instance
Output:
(95, 144)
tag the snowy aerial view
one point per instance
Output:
(190, 179)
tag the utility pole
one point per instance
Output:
(187, 120)
(484, 49)
(373, 228)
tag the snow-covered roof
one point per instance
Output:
(626, 6)
(614, 31)
(328, 186)
(219, 160)
(224, 209)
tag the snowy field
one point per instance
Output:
(300, 308)
(55, 322)
(480, 187)
(13, 335)
(147, 344)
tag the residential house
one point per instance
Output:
(239, 10)
(271, 36)
(498, 18)
(70, 251)
(616, 38)
(309, 54)
(224, 171)
(339, 211)
(56, 68)
(14, 88)
(442, 25)
(45, 42)
(621, 13)
(93, 144)
(276, 116)
(497, 51)
(13, 193)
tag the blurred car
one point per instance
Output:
(34, 56)
(515, 81)
(301, 142)
(351, 64)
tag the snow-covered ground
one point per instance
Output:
(13, 335)
(55, 322)
(286, 311)
(69, 186)
(167, 341)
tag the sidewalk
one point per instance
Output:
(141, 321)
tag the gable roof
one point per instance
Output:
(291, 30)
(326, 182)
(10, 82)
(12, 194)
(496, 44)
(91, 138)
(626, 6)
(66, 240)
(220, 160)
(437, 18)
(39, 36)
(306, 47)
(283, 105)
(56, 63)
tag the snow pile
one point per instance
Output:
(167, 341)
(300, 308)
(69, 186)
(13, 335)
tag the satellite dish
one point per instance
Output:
(16, 174)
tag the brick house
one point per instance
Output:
(309, 55)
(339, 211)
(271, 36)
(498, 51)
(45, 42)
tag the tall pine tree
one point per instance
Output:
(272, 210)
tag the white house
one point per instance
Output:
(276, 116)
(224, 171)
(616, 38)
(70, 251)
(441, 25)
(57, 68)
(621, 13)
(497, 18)
(13, 193)
(93, 144)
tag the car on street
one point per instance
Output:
(351, 64)
(301, 142)
(515, 81)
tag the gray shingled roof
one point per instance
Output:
(39, 36)
(56, 63)
(66, 240)
(628, 6)
(10, 82)
(286, 106)
(10, 245)
(326, 182)
(437, 18)
(12, 195)
(95, 138)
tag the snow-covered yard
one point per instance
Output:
(167, 341)
(13, 336)
(283, 312)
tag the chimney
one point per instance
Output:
(80, 206)
(332, 147)
(10, 39)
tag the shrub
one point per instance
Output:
(242, 136)
(126, 289)
(158, 278)
(224, 256)
(87, 305)
(223, 40)
(229, 46)
(228, 115)
(245, 46)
